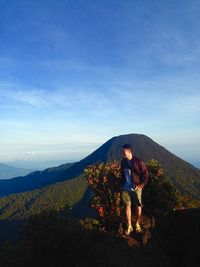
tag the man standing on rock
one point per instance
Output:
(134, 175)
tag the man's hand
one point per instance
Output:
(140, 186)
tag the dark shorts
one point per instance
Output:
(133, 197)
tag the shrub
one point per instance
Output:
(104, 179)
(159, 196)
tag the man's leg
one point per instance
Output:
(127, 200)
(138, 209)
(128, 215)
(138, 213)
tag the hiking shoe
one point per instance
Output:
(129, 230)
(138, 228)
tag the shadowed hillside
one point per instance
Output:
(33, 180)
(54, 240)
(15, 209)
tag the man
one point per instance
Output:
(134, 175)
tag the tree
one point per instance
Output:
(159, 195)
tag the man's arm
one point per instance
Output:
(121, 173)
(144, 173)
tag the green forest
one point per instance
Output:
(38, 227)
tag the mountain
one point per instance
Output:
(185, 176)
(7, 171)
(36, 165)
(16, 209)
(33, 180)
(67, 188)
(58, 196)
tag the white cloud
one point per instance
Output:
(30, 153)
(19, 94)
(71, 101)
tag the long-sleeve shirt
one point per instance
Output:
(139, 172)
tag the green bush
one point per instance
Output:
(159, 195)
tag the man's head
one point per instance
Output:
(127, 151)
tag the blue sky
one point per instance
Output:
(75, 73)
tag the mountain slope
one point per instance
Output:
(185, 176)
(59, 196)
(16, 209)
(33, 180)
(7, 171)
